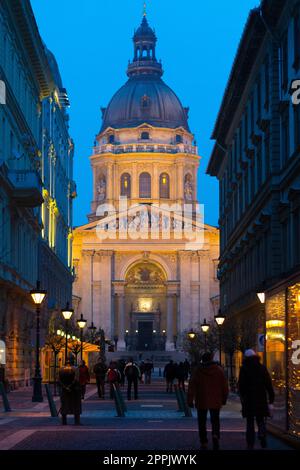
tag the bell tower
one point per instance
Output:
(145, 150)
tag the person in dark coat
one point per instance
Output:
(84, 377)
(187, 368)
(100, 370)
(256, 394)
(170, 374)
(133, 375)
(148, 371)
(70, 392)
(180, 375)
(121, 366)
(208, 388)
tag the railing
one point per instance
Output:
(25, 179)
(27, 186)
(145, 148)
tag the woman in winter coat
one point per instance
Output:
(70, 392)
(256, 394)
(84, 377)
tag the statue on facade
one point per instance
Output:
(188, 188)
(101, 189)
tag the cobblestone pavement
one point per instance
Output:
(151, 423)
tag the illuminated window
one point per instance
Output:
(126, 185)
(164, 186)
(145, 185)
(276, 350)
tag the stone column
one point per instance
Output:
(119, 310)
(170, 324)
(121, 330)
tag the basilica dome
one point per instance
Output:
(145, 98)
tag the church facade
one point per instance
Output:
(145, 263)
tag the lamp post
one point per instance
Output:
(205, 329)
(67, 314)
(37, 296)
(191, 334)
(92, 329)
(81, 322)
(262, 299)
(219, 319)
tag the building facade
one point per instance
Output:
(29, 249)
(256, 160)
(138, 275)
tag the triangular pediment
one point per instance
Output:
(153, 213)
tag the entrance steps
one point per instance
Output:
(159, 358)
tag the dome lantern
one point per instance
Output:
(144, 60)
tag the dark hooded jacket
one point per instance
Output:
(255, 388)
(208, 387)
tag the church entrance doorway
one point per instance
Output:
(145, 335)
(146, 304)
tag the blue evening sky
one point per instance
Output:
(92, 42)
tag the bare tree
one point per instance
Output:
(55, 343)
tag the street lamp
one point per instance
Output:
(37, 296)
(219, 319)
(191, 334)
(205, 329)
(67, 314)
(81, 322)
(261, 296)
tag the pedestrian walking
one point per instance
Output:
(170, 374)
(70, 392)
(121, 366)
(257, 397)
(113, 377)
(187, 369)
(148, 371)
(84, 377)
(100, 370)
(133, 375)
(208, 389)
(181, 375)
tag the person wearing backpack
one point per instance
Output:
(113, 377)
(133, 375)
(100, 370)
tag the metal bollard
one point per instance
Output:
(179, 399)
(119, 408)
(53, 410)
(6, 404)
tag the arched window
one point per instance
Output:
(126, 185)
(178, 139)
(111, 139)
(145, 185)
(164, 186)
(145, 136)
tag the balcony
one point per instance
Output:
(145, 148)
(27, 187)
